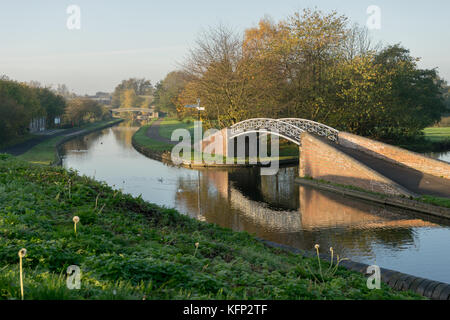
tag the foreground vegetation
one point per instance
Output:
(130, 249)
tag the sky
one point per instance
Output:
(147, 39)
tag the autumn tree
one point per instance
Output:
(141, 87)
(231, 84)
(316, 66)
(80, 111)
(129, 99)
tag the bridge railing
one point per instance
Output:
(314, 127)
(283, 129)
(289, 128)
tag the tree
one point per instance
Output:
(129, 99)
(232, 84)
(141, 87)
(168, 90)
(13, 118)
(312, 65)
(53, 104)
(80, 111)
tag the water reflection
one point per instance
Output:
(444, 156)
(272, 207)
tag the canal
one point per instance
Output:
(272, 207)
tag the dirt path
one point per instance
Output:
(153, 133)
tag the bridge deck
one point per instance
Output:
(413, 180)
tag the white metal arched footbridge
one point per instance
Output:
(288, 128)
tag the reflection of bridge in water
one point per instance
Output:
(316, 209)
(338, 157)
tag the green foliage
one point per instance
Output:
(135, 250)
(167, 91)
(20, 103)
(80, 111)
(442, 202)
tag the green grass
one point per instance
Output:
(130, 249)
(168, 126)
(43, 153)
(46, 153)
(141, 139)
(442, 202)
(437, 134)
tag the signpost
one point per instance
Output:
(196, 106)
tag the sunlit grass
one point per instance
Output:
(437, 133)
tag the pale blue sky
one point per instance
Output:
(137, 38)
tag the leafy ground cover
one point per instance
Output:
(130, 249)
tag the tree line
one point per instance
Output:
(311, 65)
(133, 93)
(20, 103)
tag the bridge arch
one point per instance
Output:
(288, 128)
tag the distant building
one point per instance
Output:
(101, 97)
(37, 125)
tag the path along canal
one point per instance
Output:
(272, 207)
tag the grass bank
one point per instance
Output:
(437, 134)
(130, 249)
(46, 151)
(435, 139)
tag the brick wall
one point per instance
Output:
(395, 155)
(319, 159)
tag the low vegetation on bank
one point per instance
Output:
(130, 249)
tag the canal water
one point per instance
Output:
(272, 207)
